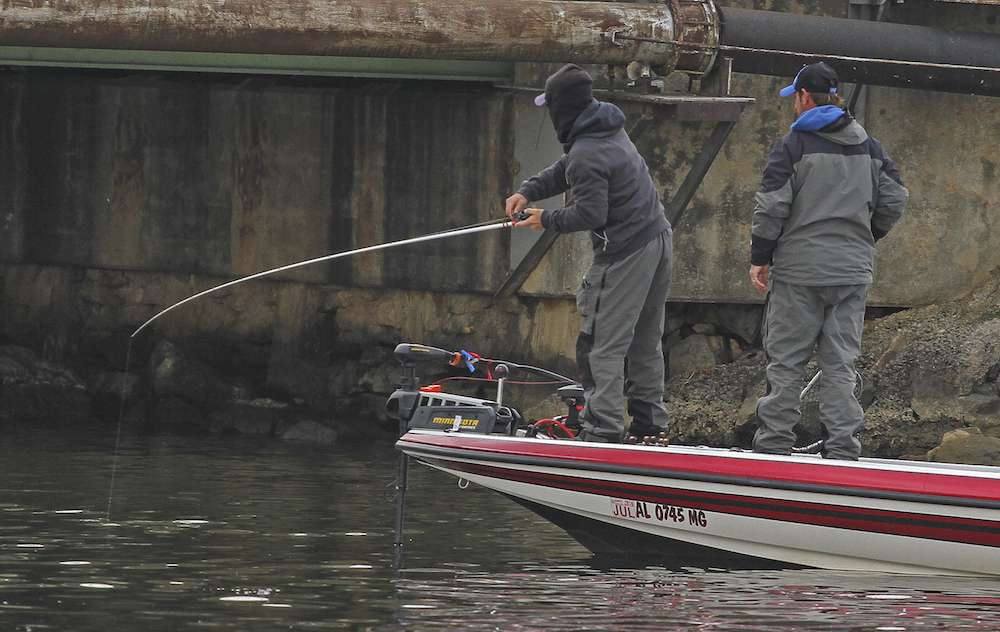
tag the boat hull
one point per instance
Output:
(719, 507)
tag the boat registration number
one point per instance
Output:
(642, 511)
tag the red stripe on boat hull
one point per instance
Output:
(845, 478)
(917, 525)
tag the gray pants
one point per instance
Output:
(800, 319)
(619, 350)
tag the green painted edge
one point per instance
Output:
(246, 63)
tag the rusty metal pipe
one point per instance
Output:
(527, 30)
(876, 53)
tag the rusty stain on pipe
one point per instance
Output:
(529, 30)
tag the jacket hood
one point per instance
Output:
(599, 120)
(850, 133)
(832, 123)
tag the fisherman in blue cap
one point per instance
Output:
(623, 295)
(828, 193)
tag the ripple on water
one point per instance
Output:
(244, 598)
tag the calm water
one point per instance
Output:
(225, 534)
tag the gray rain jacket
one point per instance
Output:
(825, 198)
(612, 193)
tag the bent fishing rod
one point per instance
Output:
(452, 232)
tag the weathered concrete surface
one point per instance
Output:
(229, 177)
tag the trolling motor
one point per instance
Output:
(431, 409)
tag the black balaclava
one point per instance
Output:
(568, 92)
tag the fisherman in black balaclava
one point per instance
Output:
(623, 296)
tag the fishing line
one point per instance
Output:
(561, 378)
(118, 432)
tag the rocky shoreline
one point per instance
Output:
(931, 386)
(176, 393)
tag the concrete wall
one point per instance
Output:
(229, 177)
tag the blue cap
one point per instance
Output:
(818, 78)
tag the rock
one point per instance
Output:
(690, 355)
(311, 432)
(177, 415)
(109, 389)
(948, 384)
(380, 380)
(257, 417)
(940, 399)
(137, 414)
(705, 329)
(674, 322)
(967, 445)
(175, 374)
(897, 344)
(868, 394)
(31, 388)
(748, 409)
(117, 384)
(721, 349)
(933, 395)
(535, 408)
(980, 410)
(742, 321)
(372, 406)
(313, 385)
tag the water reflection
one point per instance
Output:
(253, 535)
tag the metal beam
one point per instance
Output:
(527, 265)
(679, 202)
(243, 63)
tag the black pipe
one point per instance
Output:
(771, 43)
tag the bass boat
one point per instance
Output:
(701, 506)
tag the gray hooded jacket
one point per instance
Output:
(825, 198)
(612, 193)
